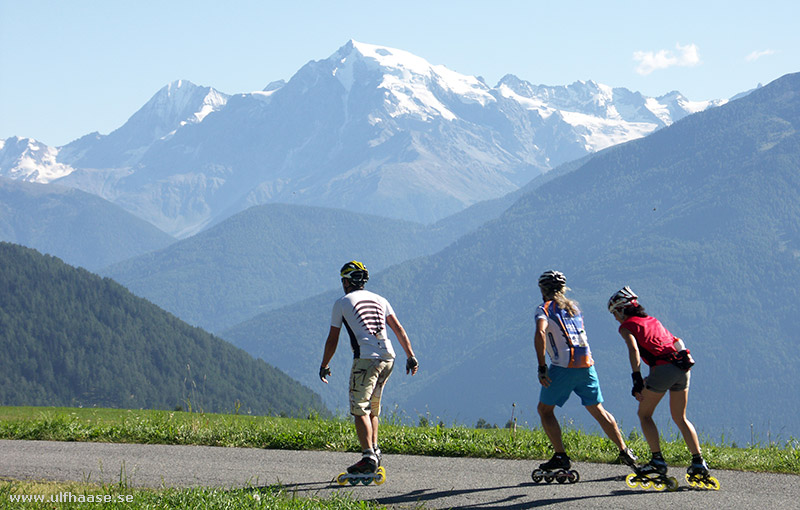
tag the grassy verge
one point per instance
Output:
(165, 427)
(48, 495)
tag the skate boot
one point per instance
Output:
(626, 457)
(557, 468)
(367, 464)
(652, 475)
(698, 475)
(655, 466)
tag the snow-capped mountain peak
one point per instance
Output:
(604, 115)
(26, 159)
(411, 83)
(177, 104)
(182, 102)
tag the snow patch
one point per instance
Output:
(599, 133)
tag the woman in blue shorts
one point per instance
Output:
(560, 333)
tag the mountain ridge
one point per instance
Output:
(417, 141)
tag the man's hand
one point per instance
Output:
(544, 376)
(323, 373)
(412, 365)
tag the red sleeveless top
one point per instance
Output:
(652, 337)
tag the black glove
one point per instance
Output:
(324, 372)
(638, 383)
(542, 372)
(411, 364)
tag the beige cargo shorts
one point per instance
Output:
(367, 380)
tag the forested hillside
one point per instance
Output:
(702, 219)
(72, 338)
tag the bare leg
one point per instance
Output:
(364, 431)
(551, 426)
(647, 406)
(608, 424)
(375, 423)
(677, 406)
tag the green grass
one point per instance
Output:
(166, 427)
(78, 495)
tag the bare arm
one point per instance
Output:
(402, 337)
(633, 350)
(636, 363)
(330, 348)
(539, 343)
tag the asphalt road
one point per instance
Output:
(434, 482)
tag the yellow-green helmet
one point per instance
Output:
(355, 272)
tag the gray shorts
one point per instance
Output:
(667, 377)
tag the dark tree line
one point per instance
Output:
(72, 338)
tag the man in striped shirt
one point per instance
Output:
(365, 315)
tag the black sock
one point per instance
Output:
(657, 456)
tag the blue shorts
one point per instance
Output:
(563, 381)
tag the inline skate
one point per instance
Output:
(698, 476)
(652, 475)
(364, 471)
(558, 469)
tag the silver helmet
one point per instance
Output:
(552, 281)
(622, 299)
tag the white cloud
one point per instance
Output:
(649, 61)
(758, 54)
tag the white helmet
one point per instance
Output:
(622, 299)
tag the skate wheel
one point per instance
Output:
(366, 480)
(646, 484)
(548, 478)
(341, 479)
(353, 481)
(574, 476)
(380, 476)
(672, 484)
(536, 477)
(631, 481)
(708, 482)
(562, 477)
(659, 486)
(698, 482)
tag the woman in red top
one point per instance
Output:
(647, 339)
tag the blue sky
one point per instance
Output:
(71, 68)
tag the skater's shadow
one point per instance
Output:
(513, 501)
(523, 495)
(423, 495)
